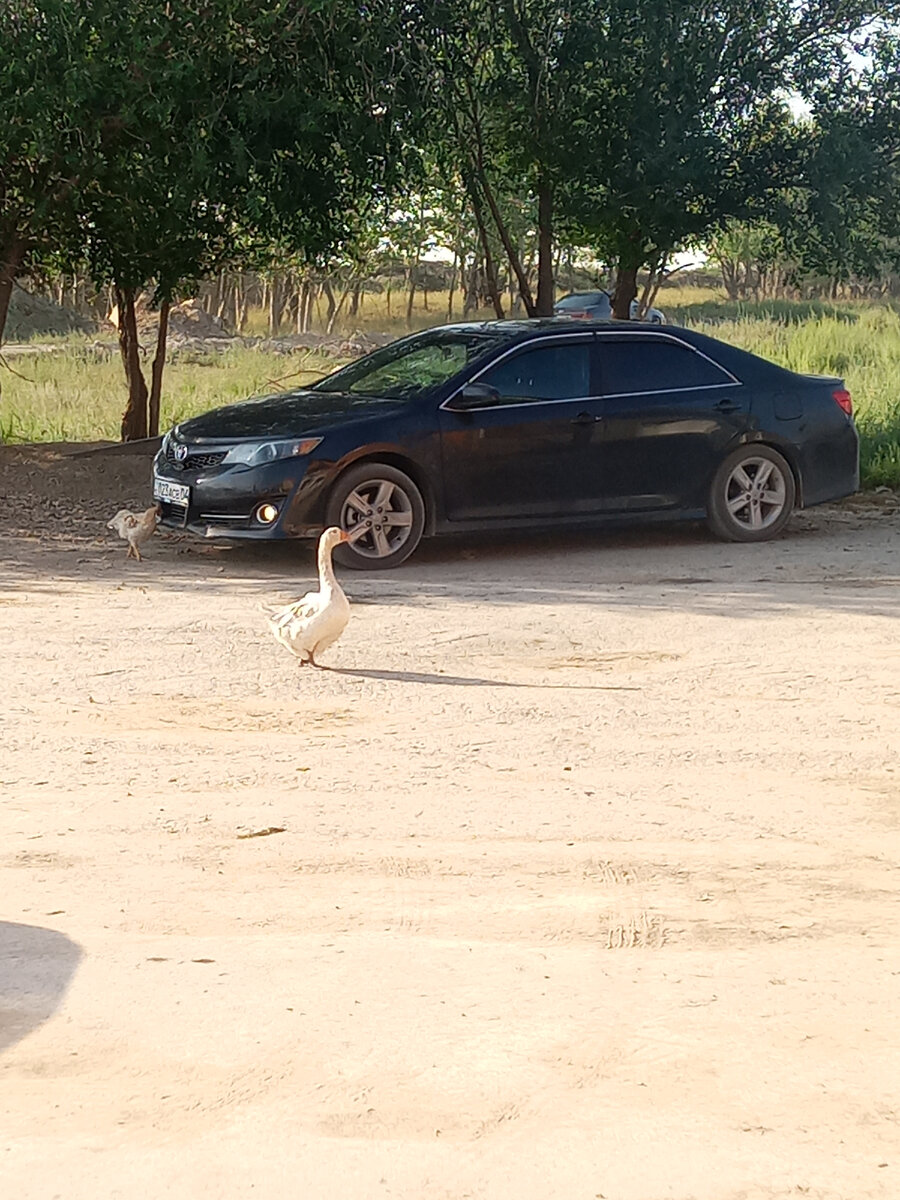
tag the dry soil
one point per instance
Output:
(575, 876)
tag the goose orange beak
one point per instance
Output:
(345, 536)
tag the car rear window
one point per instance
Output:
(629, 366)
(557, 372)
(580, 301)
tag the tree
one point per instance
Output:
(632, 127)
(263, 129)
(840, 220)
(47, 97)
(696, 131)
(837, 221)
(202, 134)
(745, 252)
(495, 83)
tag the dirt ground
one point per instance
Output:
(585, 880)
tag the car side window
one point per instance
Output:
(634, 365)
(557, 372)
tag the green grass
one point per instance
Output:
(76, 397)
(73, 396)
(860, 343)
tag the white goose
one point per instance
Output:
(315, 621)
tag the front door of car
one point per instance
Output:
(670, 415)
(523, 449)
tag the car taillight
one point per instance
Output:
(842, 397)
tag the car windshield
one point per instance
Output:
(411, 367)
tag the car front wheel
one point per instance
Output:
(383, 512)
(752, 495)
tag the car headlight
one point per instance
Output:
(254, 454)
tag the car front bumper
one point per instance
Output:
(225, 502)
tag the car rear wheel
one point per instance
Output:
(752, 495)
(383, 512)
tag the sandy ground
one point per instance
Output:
(587, 884)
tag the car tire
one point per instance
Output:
(386, 533)
(752, 495)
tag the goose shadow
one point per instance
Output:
(36, 968)
(466, 680)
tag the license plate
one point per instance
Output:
(172, 493)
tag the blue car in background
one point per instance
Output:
(597, 306)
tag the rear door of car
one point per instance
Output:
(527, 452)
(669, 415)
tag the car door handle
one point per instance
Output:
(727, 406)
(585, 418)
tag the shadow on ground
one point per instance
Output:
(828, 559)
(467, 680)
(36, 968)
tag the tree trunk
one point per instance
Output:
(221, 295)
(557, 264)
(354, 298)
(156, 371)
(544, 306)
(452, 289)
(728, 267)
(515, 262)
(626, 290)
(276, 304)
(244, 302)
(332, 303)
(237, 306)
(490, 268)
(413, 271)
(329, 329)
(134, 419)
(655, 276)
(470, 300)
(11, 258)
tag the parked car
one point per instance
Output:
(597, 306)
(516, 424)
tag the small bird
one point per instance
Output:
(135, 528)
(315, 621)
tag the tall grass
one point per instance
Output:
(859, 343)
(72, 396)
(76, 397)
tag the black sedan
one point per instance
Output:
(516, 424)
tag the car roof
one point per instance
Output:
(538, 326)
(741, 363)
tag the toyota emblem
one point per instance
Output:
(181, 453)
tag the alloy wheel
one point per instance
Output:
(756, 493)
(378, 516)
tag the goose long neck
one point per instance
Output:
(327, 579)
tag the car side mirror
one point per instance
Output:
(474, 395)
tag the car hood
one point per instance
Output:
(285, 415)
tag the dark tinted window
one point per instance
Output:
(550, 372)
(582, 300)
(647, 365)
